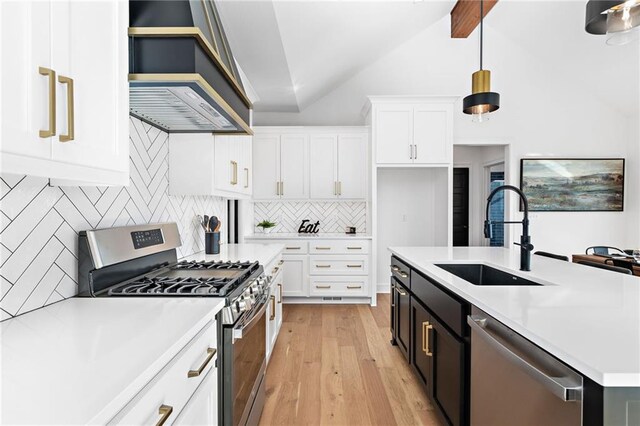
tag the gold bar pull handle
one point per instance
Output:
(273, 308)
(323, 248)
(246, 176)
(52, 102)
(426, 327)
(323, 266)
(358, 248)
(354, 286)
(70, 109)
(280, 293)
(394, 268)
(281, 187)
(210, 354)
(165, 411)
(339, 187)
(323, 286)
(354, 266)
(278, 188)
(234, 180)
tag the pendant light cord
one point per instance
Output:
(481, 29)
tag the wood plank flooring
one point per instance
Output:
(334, 365)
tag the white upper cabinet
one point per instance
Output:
(310, 163)
(416, 131)
(323, 166)
(266, 167)
(394, 134)
(204, 164)
(64, 90)
(293, 167)
(352, 166)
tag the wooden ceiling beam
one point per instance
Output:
(465, 16)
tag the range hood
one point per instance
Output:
(182, 75)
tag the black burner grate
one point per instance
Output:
(193, 265)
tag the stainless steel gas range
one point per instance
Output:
(141, 261)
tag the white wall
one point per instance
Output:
(544, 112)
(476, 158)
(410, 209)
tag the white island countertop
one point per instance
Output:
(263, 253)
(587, 317)
(81, 360)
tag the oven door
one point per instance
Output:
(246, 362)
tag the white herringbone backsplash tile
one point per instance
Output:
(39, 224)
(333, 216)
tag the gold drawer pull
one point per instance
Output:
(400, 292)
(195, 373)
(276, 269)
(323, 248)
(394, 268)
(165, 411)
(234, 180)
(70, 114)
(281, 263)
(403, 274)
(246, 171)
(323, 286)
(293, 248)
(52, 102)
(280, 293)
(354, 286)
(273, 308)
(354, 248)
(354, 266)
(323, 266)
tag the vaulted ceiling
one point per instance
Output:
(295, 52)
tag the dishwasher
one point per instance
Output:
(514, 381)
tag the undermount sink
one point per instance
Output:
(479, 274)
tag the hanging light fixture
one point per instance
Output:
(482, 100)
(619, 20)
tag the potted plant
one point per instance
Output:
(266, 226)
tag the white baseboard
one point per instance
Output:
(383, 288)
(321, 301)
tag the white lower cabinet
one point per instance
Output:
(169, 392)
(202, 408)
(274, 310)
(324, 268)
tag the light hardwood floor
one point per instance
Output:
(333, 364)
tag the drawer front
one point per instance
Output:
(339, 247)
(172, 387)
(401, 271)
(339, 286)
(296, 247)
(449, 309)
(339, 265)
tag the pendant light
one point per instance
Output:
(482, 100)
(619, 20)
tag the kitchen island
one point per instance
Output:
(585, 317)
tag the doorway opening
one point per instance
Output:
(460, 206)
(495, 178)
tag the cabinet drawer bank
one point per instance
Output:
(324, 270)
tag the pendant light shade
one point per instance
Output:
(482, 100)
(619, 20)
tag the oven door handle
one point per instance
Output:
(239, 331)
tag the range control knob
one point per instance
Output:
(242, 305)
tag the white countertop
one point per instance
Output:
(263, 253)
(587, 317)
(80, 360)
(318, 236)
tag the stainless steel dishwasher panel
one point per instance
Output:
(514, 382)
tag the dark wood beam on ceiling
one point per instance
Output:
(465, 16)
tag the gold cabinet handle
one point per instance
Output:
(281, 263)
(354, 266)
(354, 248)
(323, 286)
(52, 102)
(234, 180)
(354, 286)
(293, 248)
(70, 109)
(273, 308)
(274, 270)
(339, 188)
(335, 188)
(165, 411)
(277, 188)
(210, 354)
(323, 266)
(400, 292)
(246, 175)
(281, 187)
(394, 268)
(323, 248)
(280, 293)
(426, 326)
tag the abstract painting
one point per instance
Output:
(573, 184)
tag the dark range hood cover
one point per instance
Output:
(183, 77)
